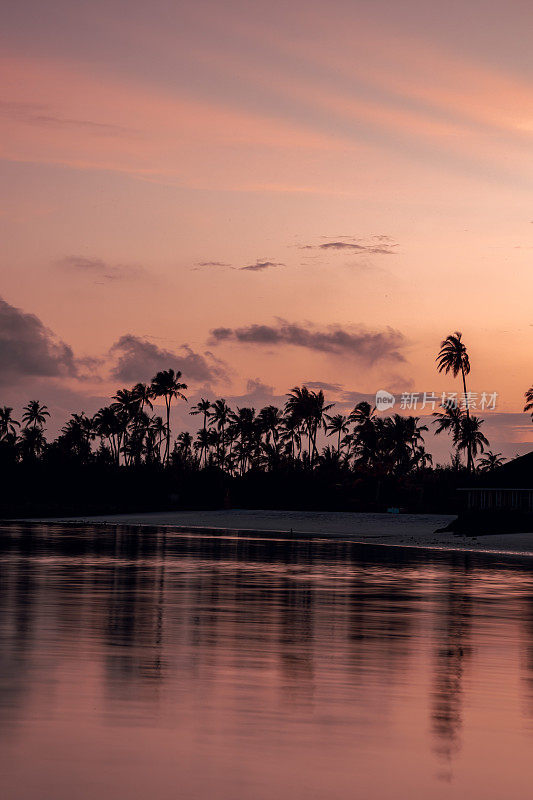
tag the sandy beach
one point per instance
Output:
(415, 530)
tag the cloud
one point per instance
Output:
(98, 268)
(255, 386)
(212, 264)
(367, 346)
(29, 349)
(138, 359)
(341, 246)
(42, 115)
(379, 245)
(324, 386)
(260, 265)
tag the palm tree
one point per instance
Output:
(31, 443)
(108, 425)
(220, 416)
(141, 396)
(270, 420)
(309, 408)
(365, 436)
(8, 425)
(450, 421)
(529, 401)
(167, 384)
(471, 439)
(338, 424)
(202, 444)
(453, 357)
(203, 406)
(490, 461)
(35, 414)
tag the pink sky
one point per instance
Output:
(173, 168)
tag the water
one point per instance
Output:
(145, 663)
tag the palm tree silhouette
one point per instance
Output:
(471, 438)
(32, 443)
(167, 384)
(529, 401)
(35, 414)
(365, 436)
(220, 417)
(8, 425)
(453, 357)
(270, 420)
(449, 421)
(338, 424)
(203, 406)
(490, 461)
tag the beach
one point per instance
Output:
(408, 530)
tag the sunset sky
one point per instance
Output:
(263, 194)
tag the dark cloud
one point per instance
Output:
(260, 265)
(341, 246)
(29, 349)
(367, 346)
(97, 268)
(138, 359)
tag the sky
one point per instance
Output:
(263, 194)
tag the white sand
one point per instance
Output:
(417, 530)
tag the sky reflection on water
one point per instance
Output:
(150, 663)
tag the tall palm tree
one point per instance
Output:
(167, 384)
(338, 423)
(203, 406)
(8, 425)
(453, 357)
(490, 461)
(35, 414)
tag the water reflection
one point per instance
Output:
(346, 668)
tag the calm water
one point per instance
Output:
(154, 664)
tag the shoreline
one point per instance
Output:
(402, 530)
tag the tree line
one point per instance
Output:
(128, 432)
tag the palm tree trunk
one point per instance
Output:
(469, 458)
(205, 439)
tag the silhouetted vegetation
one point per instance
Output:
(126, 457)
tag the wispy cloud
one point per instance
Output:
(42, 115)
(212, 264)
(97, 268)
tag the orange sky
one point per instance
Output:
(150, 152)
